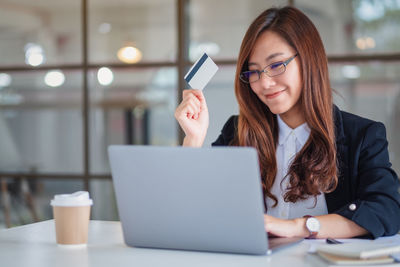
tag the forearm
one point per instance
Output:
(332, 225)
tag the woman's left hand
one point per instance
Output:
(282, 228)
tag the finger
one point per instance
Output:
(195, 107)
(193, 98)
(190, 110)
(187, 92)
(197, 94)
(203, 104)
(189, 102)
(268, 218)
(182, 110)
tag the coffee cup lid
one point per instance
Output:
(80, 198)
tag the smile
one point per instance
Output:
(270, 96)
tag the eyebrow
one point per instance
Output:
(267, 59)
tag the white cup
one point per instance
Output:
(71, 215)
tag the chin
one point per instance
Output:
(277, 110)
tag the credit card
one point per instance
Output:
(201, 72)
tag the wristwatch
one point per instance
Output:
(312, 225)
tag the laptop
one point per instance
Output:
(207, 199)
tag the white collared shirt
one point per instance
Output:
(291, 141)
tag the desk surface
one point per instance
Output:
(34, 245)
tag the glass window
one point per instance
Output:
(41, 122)
(357, 26)
(41, 126)
(34, 33)
(371, 90)
(29, 200)
(221, 101)
(218, 27)
(149, 26)
(135, 106)
(104, 203)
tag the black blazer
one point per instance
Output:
(368, 190)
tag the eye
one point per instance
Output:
(276, 65)
(248, 74)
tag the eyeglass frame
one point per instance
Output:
(259, 72)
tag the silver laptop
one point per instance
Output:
(207, 199)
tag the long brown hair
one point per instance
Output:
(314, 168)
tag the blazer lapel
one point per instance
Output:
(335, 199)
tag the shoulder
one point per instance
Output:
(350, 119)
(231, 124)
(228, 132)
(351, 126)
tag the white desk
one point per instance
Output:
(34, 245)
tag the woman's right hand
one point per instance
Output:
(192, 116)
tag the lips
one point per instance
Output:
(273, 95)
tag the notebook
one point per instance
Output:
(359, 253)
(360, 250)
(341, 260)
(204, 199)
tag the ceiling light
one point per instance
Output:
(34, 54)
(5, 80)
(105, 76)
(129, 54)
(54, 78)
(351, 71)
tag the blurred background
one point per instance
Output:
(79, 75)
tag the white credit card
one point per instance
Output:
(201, 72)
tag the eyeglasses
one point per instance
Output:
(271, 70)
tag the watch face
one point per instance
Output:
(312, 224)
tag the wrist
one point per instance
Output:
(192, 142)
(302, 230)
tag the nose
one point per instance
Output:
(266, 81)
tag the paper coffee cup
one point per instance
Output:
(71, 215)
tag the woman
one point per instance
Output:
(325, 172)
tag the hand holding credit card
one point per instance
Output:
(201, 72)
(192, 112)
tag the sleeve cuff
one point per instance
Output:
(359, 213)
